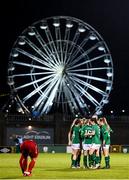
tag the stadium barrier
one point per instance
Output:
(7, 149)
(52, 148)
(62, 149)
(67, 149)
(125, 149)
(115, 148)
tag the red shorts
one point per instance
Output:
(29, 148)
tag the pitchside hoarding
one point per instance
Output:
(40, 135)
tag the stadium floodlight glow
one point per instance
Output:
(58, 66)
(29, 127)
(112, 111)
(19, 109)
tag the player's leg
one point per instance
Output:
(78, 159)
(75, 152)
(31, 165)
(107, 156)
(91, 156)
(86, 148)
(97, 159)
(74, 158)
(85, 163)
(23, 163)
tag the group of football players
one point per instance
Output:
(88, 135)
(92, 137)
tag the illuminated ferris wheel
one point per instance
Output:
(60, 63)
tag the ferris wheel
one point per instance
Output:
(60, 63)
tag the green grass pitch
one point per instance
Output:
(57, 166)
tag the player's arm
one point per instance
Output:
(73, 123)
(70, 137)
(108, 127)
(105, 137)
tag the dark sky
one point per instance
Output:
(109, 17)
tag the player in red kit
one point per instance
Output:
(28, 149)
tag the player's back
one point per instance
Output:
(30, 147)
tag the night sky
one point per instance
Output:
(109, 17)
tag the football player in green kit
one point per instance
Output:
(74, 141)
(105, 131)
(94, 155)
(86, 134)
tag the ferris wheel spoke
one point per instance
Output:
(72, 47)
(43, 95)
(33, 82)
(59, 42)
(87, 95)
(74, 61)
(66, 38)
(50, 84)
(90, 86)
(74, 42)
(90, 77)
(36, 59)
(88, 61)
(76, 93)
(37, 49)
(70, 97)
(91, 69)
(59, 95)
(32, 66)
(66, 42)
(40, 102)
(31, 74)
(52, 45)
(47, 50)
(38, 89)
(75, 53)
(50, 99)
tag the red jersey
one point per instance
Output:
(29, 148)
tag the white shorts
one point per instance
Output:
(75, 146)
(95, 146)
(106, 146)
(86, 147)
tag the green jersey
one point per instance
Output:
(86, 129)
(96, 137)
(75, 134)
(105, 134)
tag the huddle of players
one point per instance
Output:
(93, 136)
